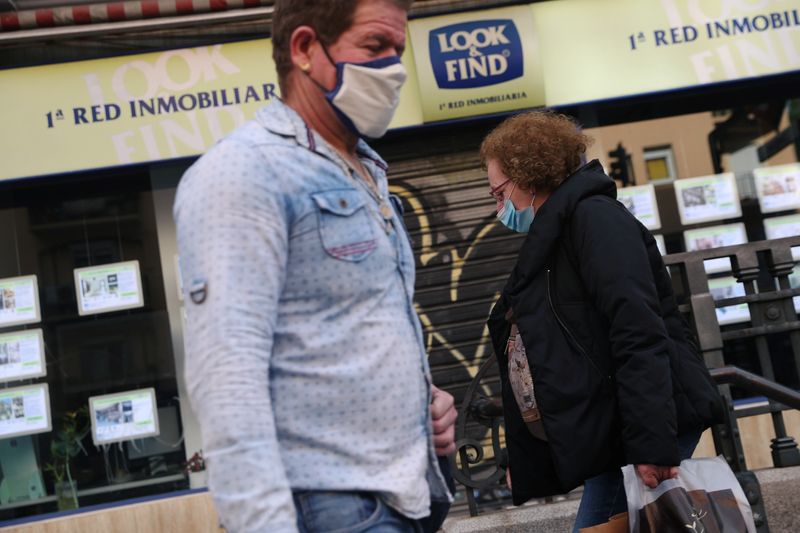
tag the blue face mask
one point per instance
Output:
(519, 221)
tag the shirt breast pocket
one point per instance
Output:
(345, 227)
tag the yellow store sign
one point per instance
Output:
(477, 63)
(132, 109)
(173, 104)
(600, 49)
(141, 108)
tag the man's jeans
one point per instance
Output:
(604, 495)
(348, 512)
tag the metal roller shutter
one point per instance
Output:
(463, 258)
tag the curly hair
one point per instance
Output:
(536, 149)
(330, 18)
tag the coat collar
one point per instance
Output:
(550, 221)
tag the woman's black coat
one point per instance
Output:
(616, 373)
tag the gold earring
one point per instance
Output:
(305, 67)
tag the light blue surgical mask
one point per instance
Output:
(519, 221)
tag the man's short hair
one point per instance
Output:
(330, 19)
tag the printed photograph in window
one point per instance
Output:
(782, 227)
(778, 187)
(123, 416)
(107, 288)
(19, 301)
(716, 237)
(707, 198)
(22, 355)
(24, 411)
(728, 287)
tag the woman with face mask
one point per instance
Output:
(598, 367)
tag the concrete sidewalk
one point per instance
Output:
(780, 488)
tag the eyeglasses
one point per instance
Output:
(497, 193)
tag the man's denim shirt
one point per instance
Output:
(305, 360)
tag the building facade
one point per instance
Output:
(692, 105)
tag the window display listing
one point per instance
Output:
(24, 411)
(778, 188)
(641, 202)
(22, 355)
(19, 301)
(708, 198)
(715, 237)
(106, 288)
(124, 416)
(781, 227)
(728, 287)
(794, 282)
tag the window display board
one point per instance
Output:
(715, 237)
(24, 411)
(124, 416)
(781, 227)
(728, 287)
(22, 355)
(778, 188)
(106, 288)
(708, 198)
(662, 246)
(641, 202)
(794, 282)
(19, 301)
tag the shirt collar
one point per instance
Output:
(282, 120)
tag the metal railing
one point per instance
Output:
(764, 269)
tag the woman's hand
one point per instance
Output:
(652, 475)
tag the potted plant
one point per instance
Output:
(65, 446)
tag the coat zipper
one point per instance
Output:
(567, 330)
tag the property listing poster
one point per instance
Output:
(708, 198)
(781, 227)
(794, 282)
(124, 416)
(19, 301)
(715, 237)
(22, 355)
(641, 202)
(778, 188)
(24, 411)
(107, 288)
(728, 287)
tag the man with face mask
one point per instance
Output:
(305, 361)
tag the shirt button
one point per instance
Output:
(343, 203)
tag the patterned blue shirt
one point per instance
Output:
(305, 360)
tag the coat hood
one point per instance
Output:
(549, 222)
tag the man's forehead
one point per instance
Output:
(380, 19)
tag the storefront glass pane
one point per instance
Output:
(91, 242)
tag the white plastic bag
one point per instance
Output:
(697, 500)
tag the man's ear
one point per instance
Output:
(301, 44)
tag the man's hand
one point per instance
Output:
(652, 475)
(444, 414)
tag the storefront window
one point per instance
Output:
(97, 418)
